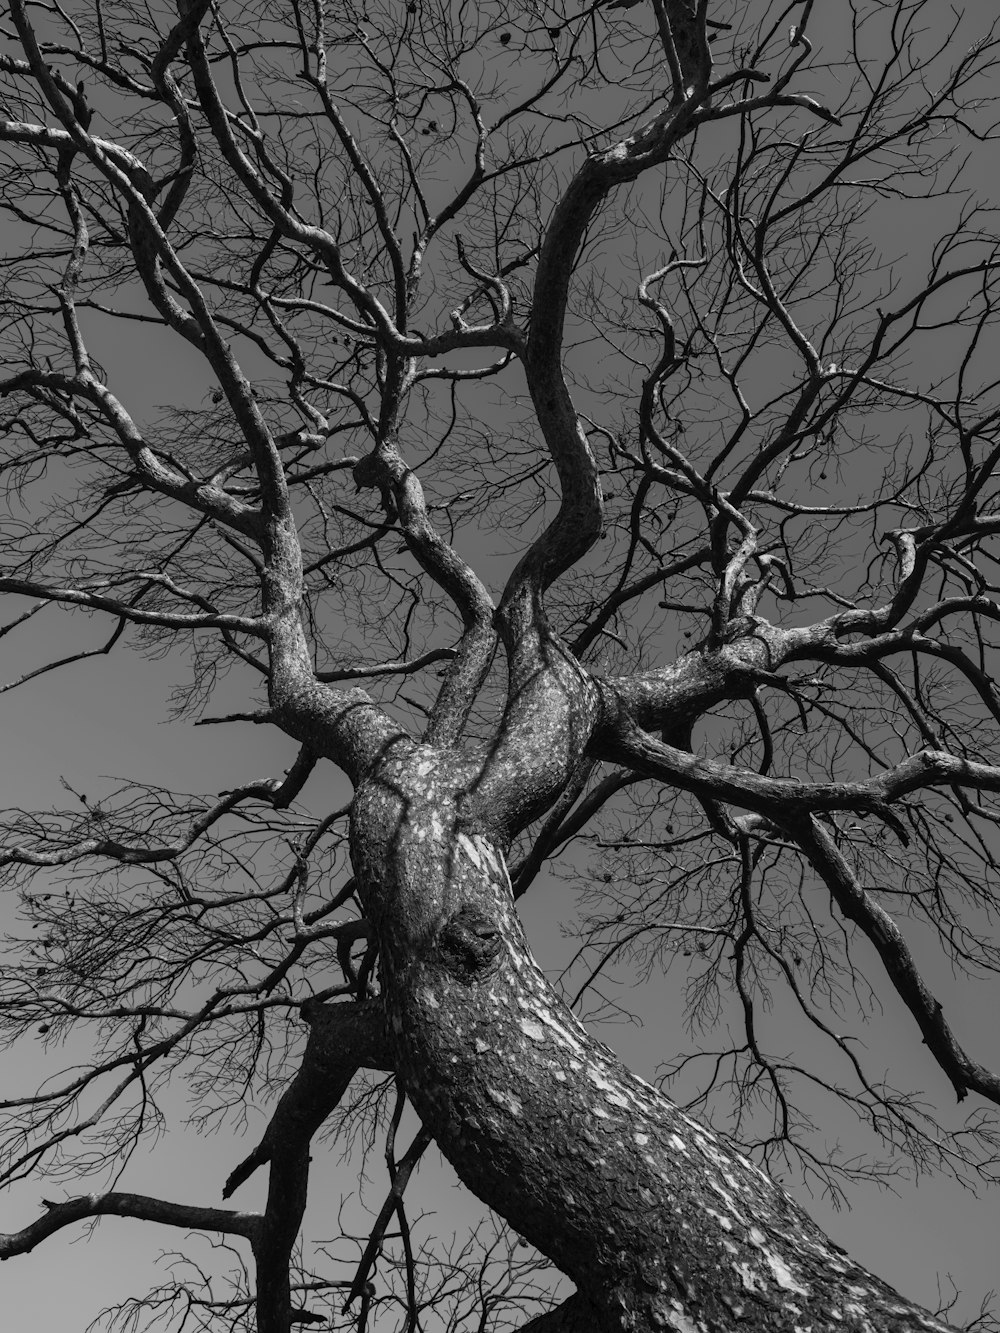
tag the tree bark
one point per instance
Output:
(658, 1221)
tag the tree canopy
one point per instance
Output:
(579, 428)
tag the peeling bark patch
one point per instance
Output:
(783, 1274)
(597, 1077)
(533, 1030)
(471, 850)
(615, 1094)
(726, 1197)
(505, 1099)
(683, 1323)
(748, 1277)
(563, 1034)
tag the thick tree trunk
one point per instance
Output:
(658, 1221)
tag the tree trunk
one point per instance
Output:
(658, 1221)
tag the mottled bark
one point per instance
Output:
(658, 1221)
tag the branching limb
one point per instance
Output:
(345, 727)
(104, 649)
(97, 601)
(155, 473)
(385, 468)
(712, 780)
(400, 1172)
(343, 1038)
(278, 793)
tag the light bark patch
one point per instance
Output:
(565, 1037)
(505, 1099)
(783, 1274)
(749, 1278)
(533, 1030)
(683, 1323)
(470, 849)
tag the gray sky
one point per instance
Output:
(108, 717)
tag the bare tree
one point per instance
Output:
(674, 323)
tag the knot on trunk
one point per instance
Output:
(469, 943)
(365, 473)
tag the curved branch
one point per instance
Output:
(139, 1206)
(713, 780)
(578, 523)
(98, 602)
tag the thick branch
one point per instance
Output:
(138, 1206)
(579, 520)
(714, 780)
(549, 719)
(385, 467)
(343, 1039)
(659, 1221)
(878, 926)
